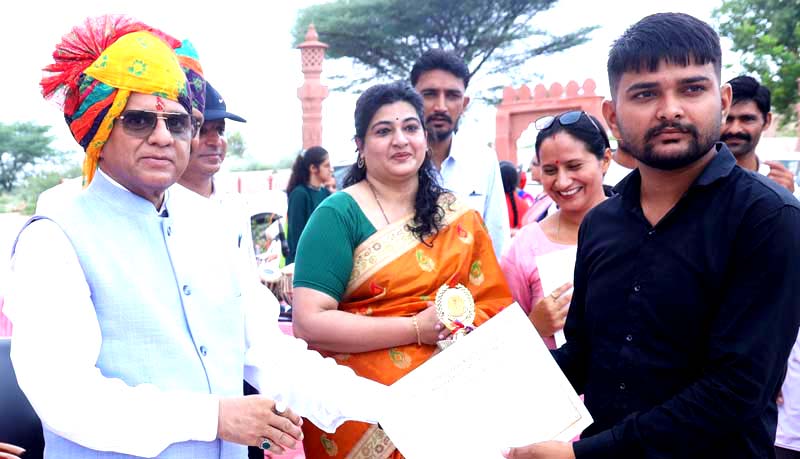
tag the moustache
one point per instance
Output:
(684, 128)
(439, 116)
(736, 135)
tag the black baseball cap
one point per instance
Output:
(215, 107)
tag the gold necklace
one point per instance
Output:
(375, 195)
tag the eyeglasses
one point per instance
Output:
(141, 123)
(567, 118)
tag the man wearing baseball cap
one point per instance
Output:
(206, 159)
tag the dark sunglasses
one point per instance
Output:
(141, 123)
(564, 119)
(567, 118)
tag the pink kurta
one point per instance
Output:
(519, 267)
(540, 204)
(5, 324)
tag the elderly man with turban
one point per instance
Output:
(128, 340)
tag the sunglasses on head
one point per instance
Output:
(564, 119)
(141, 123)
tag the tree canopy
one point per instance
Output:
(767, 32)
(22, 145)
(236, 145)
(387, 36)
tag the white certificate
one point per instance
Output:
(556, 269)
(495, 388)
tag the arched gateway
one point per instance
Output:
(520, 108)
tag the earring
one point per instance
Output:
(360, 162)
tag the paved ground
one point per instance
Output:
(10, 224)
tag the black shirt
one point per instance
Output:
(678, 334)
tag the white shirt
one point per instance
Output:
(55, 362)
(473, 174)
(231, 212)
(56, 196)
(615, 173)
(788, 434)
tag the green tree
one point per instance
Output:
(236, 145)
(387, 36)
(767, 32)
(22, 146)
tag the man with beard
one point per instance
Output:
(687, 282)
(748, 118)
(441, 78)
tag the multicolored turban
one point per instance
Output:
(97, 67)
(190, 63)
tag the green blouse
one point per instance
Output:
(302, 201)
(326, 247)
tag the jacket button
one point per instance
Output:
(186, 290)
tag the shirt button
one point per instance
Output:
(651, 232)
(621, 385)
(186, 290)
(636, 288)
(203, 350)
(629, 338)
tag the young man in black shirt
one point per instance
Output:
(687, 283)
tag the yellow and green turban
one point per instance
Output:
(98, 65)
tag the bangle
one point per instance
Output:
(416, 329)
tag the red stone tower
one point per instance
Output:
(312, 93)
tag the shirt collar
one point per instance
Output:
(453, 153)
(719, 167)
(141, 205)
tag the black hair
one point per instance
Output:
(587, 129)
(676, 38)
(510, 177)
(439, 59)
(748, 88)
(428, 214)
(314, 156)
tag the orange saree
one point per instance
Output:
(395, 275)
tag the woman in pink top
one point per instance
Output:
(573, 152)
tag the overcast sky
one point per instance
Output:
(249, 58)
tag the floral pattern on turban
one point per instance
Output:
(98, 65)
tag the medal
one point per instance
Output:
(455, 308)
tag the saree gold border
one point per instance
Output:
(390, 242)
(369, 443)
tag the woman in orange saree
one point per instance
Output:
(365, 279)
